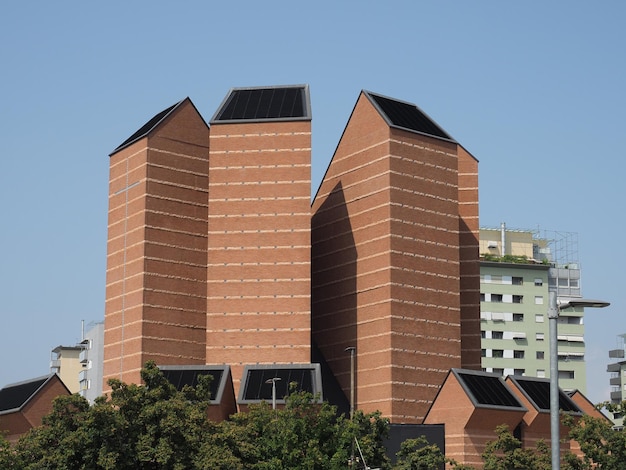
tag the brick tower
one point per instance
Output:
(156, 248)
(390, 245)
(258, 286)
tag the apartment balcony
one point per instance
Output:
(616, 396)
(615, 381)
(616, 367)
(616, 353)
(55, 364)
(82, 357)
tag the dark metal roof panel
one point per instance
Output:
(408, 116)
(14, 396)
(179, 376)
(255, 386)
(537, 390)
(276, 103)
(147, 127)
(487, 390)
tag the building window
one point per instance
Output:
(541, 373)
(519, 371)
(517, 299)
(498, 371)
(539, 318)
(483, 353)
(518, 354)
(517, 281)
(496, 297)
(538, 282)
(539, 300)
(518, 317)
(539, 336)
(540, 354)
(482, 297)
(497, 335)
(483, 334)
(497, 353)
(566, 374)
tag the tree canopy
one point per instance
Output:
(155, 426)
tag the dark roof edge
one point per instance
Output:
(313, 366)
(562, 394)
(47, 378)
(307, 105)
(226, 376)
(370, 94)
(473, 399)
(144, 132)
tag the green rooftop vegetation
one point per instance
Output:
(514, 259)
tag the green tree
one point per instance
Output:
(305, 434)
(506, 453)
(8, 457)
(136, 427)
(603, 447)
(154, 426)
(419, 454)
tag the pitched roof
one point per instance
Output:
(179, 376)
(14, 396)
(256, 384)
(537, 390)
(486, 389)
(407, 116)
(278, 103)
(148, 126)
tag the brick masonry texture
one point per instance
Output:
(386, 264)
(216, 255)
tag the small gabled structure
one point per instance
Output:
(587, 408)
(272, 383)
(24, 404)
(222, 395)
(534, 393)
(471, 405)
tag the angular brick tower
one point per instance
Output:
(395, 258)
(258, 286)
(157, 242)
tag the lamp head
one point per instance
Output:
(583, 303)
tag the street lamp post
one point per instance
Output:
(553, 314)
(273, 381)
(351, 350)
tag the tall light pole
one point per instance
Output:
(273, 381)
(553, 314)
(351, 350)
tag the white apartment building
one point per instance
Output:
(80, 366)
(518, 270)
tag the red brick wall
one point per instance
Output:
(31, 415)
(156, 251)
(469, 260)
(386, 262)
(259, 244)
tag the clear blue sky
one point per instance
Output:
(535, 90)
